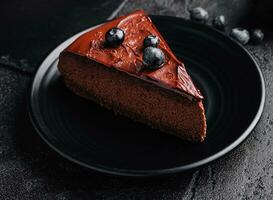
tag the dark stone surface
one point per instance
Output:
(30, 170)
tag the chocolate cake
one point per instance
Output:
(126, 65)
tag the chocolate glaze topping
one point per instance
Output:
(128, 56)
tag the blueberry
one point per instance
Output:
(219, 22)
(151, 41)
(241, 35)
(199, 14)
(153, 58)
(257, 36)
(114, 37)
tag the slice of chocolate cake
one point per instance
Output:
(127, 66)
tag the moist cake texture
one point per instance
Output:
(165, 98)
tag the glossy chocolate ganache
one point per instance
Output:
(128, 56)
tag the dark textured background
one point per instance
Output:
(30, 170)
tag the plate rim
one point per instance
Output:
(53, 55)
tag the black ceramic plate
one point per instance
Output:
(94, 137)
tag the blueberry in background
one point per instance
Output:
(199, 14)
(114, 37)
(151, 41)
(241, 35)
(153, 58)
(219, 22)
(257, 36)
